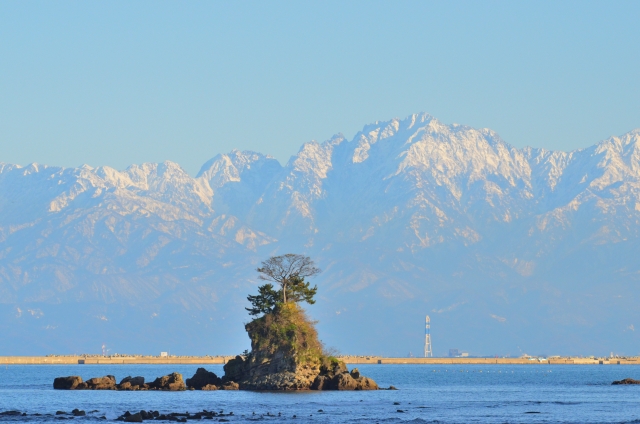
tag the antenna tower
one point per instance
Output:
(428, 353)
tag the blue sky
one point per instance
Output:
(114, 83)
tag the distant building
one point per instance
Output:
(454, 353)
(163, 354)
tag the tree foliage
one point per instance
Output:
(265, 301)
(301, 291)
(287, 270)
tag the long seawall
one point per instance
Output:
(203, 360)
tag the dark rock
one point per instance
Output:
(101, 383)
(355, 373)
(60, 413)
(135, 418)
(172, 382)
(626, 381)
(125, 386)
(131, 383)
(340, 368)
(321, 382)
(231, 385)
(365, 383)
(202, 378)
(234, 369)
(343, 381)
(67, 383)
(11, 413)
(78, 413)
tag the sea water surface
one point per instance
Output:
(427, 394)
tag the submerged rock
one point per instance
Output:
(626, 381)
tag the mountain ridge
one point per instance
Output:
(409, 217)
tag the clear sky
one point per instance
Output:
(121, 82)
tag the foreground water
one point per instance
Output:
(443, 394)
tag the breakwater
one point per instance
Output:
(203, 360)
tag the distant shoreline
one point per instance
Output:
(203, 360)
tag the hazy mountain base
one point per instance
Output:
(508, 250)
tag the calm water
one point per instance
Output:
(443, 394)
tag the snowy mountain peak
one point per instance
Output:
(411, 215)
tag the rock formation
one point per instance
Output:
(204, 380)
(131, 383)
(99, 383)
(171, 382)
(287, 355)
(626, 381)
(67, 383)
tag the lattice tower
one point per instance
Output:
(428, 352)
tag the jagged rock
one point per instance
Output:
(202, 378)
(134, 418)
(365, 383)
(286, 355)
(99, 383)
(231, 385)
(125, 386)
(234, 369)
(171, 382)
(67, 383)
(321, 382)
(626, 381)
(134, 381)
(209, 387)
(344, 381)
(355, 373)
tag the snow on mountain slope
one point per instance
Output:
(410, 217)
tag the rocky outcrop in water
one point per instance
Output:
(67, 383)
(287, 355)
(138, 417)
(171, 382)
(626, 381)
(132, 383)
(99, 383)
(204, 380)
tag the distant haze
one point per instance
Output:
(508, 250)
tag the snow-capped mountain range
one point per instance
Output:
(509, 250)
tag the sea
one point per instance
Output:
(426, 394)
